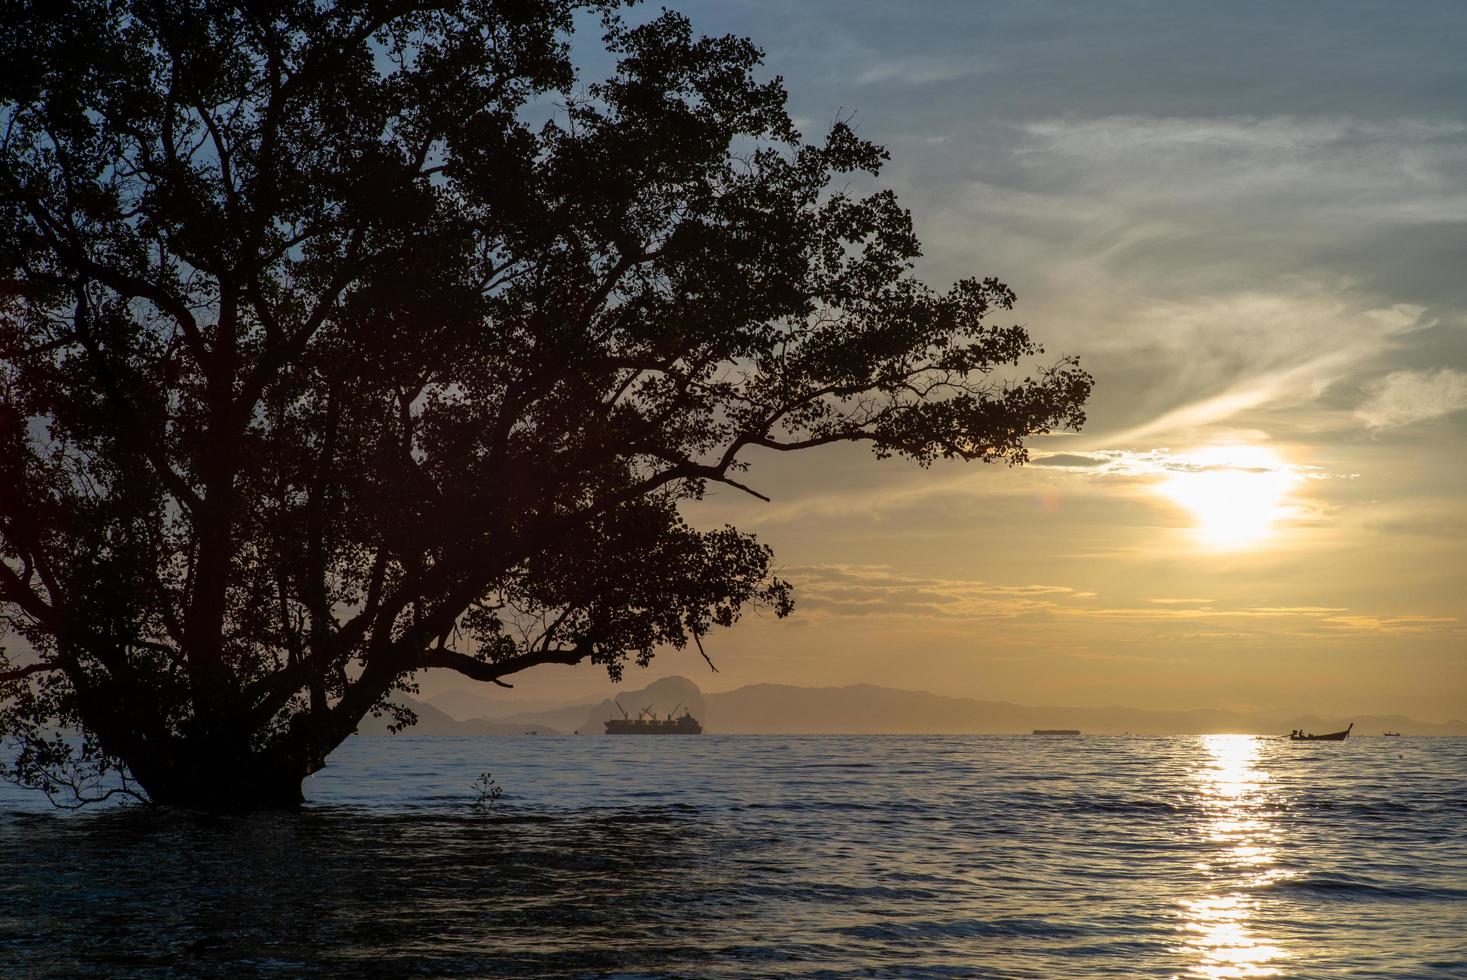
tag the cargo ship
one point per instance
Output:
(647, 723)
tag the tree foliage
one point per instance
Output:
(342, 341)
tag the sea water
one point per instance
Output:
(755, 856)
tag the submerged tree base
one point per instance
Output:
(233, 796)
(224, 786)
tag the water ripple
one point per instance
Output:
(729, 856)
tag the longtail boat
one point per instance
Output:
(1298, 736)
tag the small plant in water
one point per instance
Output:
(488, 792)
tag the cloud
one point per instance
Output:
(880, 590)
(848, 591)
(1162, 462)
(1232, 355)
(1391, 624)
(1340, 167)
(1403, 397)
(918, 69)
(1242, 266)
(1068, 460)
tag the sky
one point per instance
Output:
(1250, 222)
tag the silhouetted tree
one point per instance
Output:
(346, 341)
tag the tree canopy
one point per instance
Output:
(343, 341)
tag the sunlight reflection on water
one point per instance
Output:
(1232, 792)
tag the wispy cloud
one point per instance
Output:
(1161, 462)
(1391, 624)
(882, 591)
(1337, 166)
(1242, 266)
(1403, 397)
(1233, 355)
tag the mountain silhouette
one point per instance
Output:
(432, 721)
(870, 709)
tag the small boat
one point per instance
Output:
(1056, 731)
(1391, 734)
(1299, 736)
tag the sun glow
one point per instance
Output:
(1235, 493)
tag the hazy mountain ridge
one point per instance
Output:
(870, 709)
(866, 708)
(464, 705)
(432, 721)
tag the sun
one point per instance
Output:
(1235, 493)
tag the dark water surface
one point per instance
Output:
(735, 856)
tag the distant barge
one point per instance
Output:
(1056, 731)
(647, 723)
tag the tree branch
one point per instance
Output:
(125, 285)
(22, 672)
(13, 589)
(481, 670)
(698, 639)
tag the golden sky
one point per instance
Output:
(1252, 226)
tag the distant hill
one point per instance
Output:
(466, 705)
(867, 708)
(663, 696)
(432, 721)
